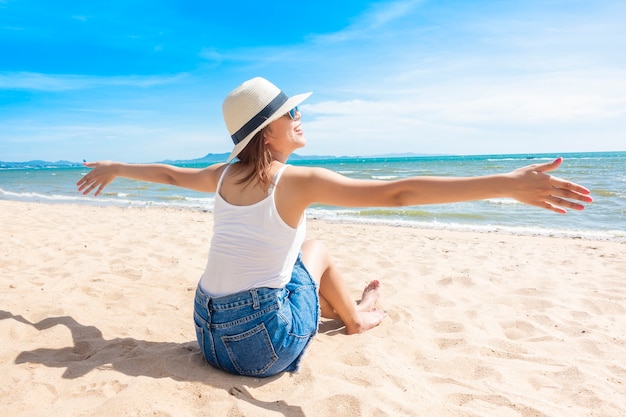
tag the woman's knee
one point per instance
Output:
(314, 246)
(316, 257)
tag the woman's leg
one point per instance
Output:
(335, 301)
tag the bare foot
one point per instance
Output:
(366, 320)
(368, 316)
(371, 294)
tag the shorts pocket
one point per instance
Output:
(205, 340)
(200, 337)
(251, 352)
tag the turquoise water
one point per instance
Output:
(604, 173)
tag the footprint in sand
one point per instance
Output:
(100, 389)
(450, 343)
(447, 327)
(342, 405)
(356, 359)
(464, 281)
(119, 267)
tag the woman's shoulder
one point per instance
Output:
(305, 171)
(312, 175)
(306, 182)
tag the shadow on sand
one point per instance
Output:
(179, 361)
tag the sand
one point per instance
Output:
(96, 305)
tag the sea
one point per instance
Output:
(604, 173)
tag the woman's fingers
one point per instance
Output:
(550, 192)
(565, 191)
(96, 179)
(549, 166)
(568, 185)
(540, 189)
(86, 186)
(565, 194)
(562, 202)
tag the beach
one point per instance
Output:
(96, 320)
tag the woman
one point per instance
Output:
(257, 304)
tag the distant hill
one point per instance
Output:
(221, 157)
(209, 158)
(37, 163)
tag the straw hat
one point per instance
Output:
(252, 106)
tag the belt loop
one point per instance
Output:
(208, 303)
(255, 299)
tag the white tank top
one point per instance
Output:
(251, 247)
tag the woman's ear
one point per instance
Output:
(267, 134)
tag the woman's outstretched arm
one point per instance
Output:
(104, 172)
(530, 185)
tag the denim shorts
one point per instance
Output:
(259, 332)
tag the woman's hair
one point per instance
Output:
(257, 156)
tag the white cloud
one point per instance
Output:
(405, 76)
(482, 84)
(384, 13)
(378, 16)
(533, 113)
(64, 82)
(109, 140)
(522, 100)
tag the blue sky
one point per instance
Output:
(144, 80)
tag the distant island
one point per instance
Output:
(209, 158)
(221, 157)
(296, 159)
(37, 163)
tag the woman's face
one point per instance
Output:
(285, 134)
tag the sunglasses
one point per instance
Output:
(292, 113)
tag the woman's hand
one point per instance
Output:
(532, 185)
(100, 176)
